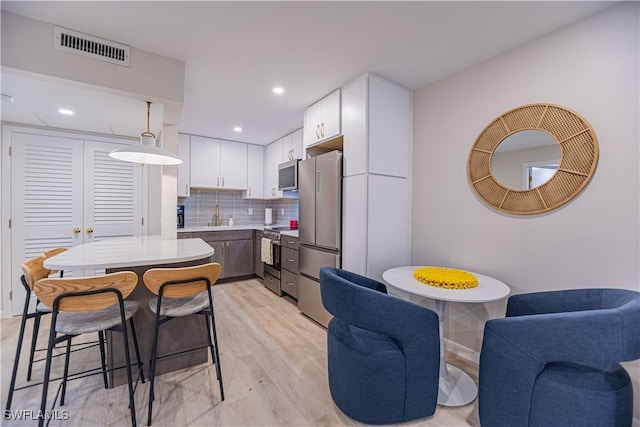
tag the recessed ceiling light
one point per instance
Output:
(237, 129)
(278, 90)
(66, 112)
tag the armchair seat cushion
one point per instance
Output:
(572, 394)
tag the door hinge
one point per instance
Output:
(142, 221)
(9, 150)
(10, 295)
(9, 222)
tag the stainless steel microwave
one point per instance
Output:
(288, 175)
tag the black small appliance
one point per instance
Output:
(180, 216)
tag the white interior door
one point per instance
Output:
(112, 194)
(46, 189)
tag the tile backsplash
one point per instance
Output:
(200, 208)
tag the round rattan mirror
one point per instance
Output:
(578, 158)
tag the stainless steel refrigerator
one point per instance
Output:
(320, 227)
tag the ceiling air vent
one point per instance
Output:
(93, 47)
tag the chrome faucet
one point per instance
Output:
(218, 218)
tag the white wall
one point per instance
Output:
(592, 68)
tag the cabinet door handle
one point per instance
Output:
(76, 230)
(223, 181)
(290, 260)
(218, 182)
(249, 192)
(318, 131)
(89, 230)
(322, 129)
(186, 188)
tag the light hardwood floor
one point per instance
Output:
(274, 367)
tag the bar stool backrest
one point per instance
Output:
(188, 280)
(86, 293)
(34, 270)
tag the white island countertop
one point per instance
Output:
(130, 252)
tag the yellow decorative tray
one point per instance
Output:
(447, 278)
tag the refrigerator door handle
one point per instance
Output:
(317, 180)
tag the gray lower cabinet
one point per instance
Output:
(289, 263)
(239, 258)
(233, 250)
(258, 266)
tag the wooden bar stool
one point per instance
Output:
(32, 271)
(182, 292)
(88, 305)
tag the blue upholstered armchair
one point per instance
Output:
(383, 352)
(554, 360)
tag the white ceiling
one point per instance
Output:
(236, 52)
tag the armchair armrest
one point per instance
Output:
(592, 337)
(554, 302)
(368, 309)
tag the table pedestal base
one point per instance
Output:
(456, 388)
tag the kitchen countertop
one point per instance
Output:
(293, 233)
(129, 252)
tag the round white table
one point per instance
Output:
(456, 388)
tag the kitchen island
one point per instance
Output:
(139, 254)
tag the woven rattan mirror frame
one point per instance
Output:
(578, 158)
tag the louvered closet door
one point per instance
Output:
(60, 184)
(112, 195)
(46, 191)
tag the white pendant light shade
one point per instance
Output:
(145, 152)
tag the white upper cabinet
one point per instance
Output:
(292, 146)
(255, 172)
(271, 162)
(376, 125)
(297, 149)
(218, 164)
(205, 162)
(390, 128)
(233, 165)
(322, 119)
(184, 169)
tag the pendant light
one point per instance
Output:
(146, 151)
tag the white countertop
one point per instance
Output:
(293, 233)
(220, 228)
(488, 289)
(129, 252)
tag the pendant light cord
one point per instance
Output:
(148, 132)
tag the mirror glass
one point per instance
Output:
(525, 159)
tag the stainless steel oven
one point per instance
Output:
(272, 271)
